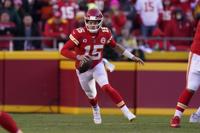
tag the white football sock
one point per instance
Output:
(178, 113)
(127, 113)
(124, 109)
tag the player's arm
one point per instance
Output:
(68, 50)
(121, 50)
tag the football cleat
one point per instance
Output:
(96, 115)
(194, 118)
(175, 122)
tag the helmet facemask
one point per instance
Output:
(93, 25)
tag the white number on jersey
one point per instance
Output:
(80, 30)
(149, 6)
(67, 12)
(95, 55)
(105, 29)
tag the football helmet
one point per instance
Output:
(93, 20)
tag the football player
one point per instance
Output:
(87, 43)
(192, 79)
(7, 122)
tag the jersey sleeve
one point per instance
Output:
(74, 36)
(111, 40)
(68, 50)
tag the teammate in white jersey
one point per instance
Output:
(150, 11)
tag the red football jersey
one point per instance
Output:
(91, 44)
(68, 9)
(195, 48)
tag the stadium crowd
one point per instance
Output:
(131, 22)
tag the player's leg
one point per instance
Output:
(195, 117)
(7, 122)
(193, 83)
(100, 75)
(89, 87)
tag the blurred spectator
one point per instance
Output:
(91, 4)
(107, 20)
(68, 9)
(100, 4)
(29, 29)
(131, 15)
(56, 27)
(80, 21)
(8, 6)
(185, 5)
(46, 11)
(83, 5)
(114, 5)
(18, 5)
(150, 13)
(129, 41)
(117, 13)
(26, 6)
(197, 11)
(157, 43)
(168, 8)
(40, 12)
(7, 29)
(48, 7)
(118, 22)
(179, 27)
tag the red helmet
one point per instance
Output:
(93, 20)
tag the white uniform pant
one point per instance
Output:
(193, 72)
(89, 78)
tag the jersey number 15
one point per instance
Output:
(96, 51)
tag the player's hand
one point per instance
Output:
(137, 59)
(83, 59)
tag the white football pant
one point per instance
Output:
(89, 78)
(193, 73)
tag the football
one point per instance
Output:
(85, 65)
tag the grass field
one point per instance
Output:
(62, 123)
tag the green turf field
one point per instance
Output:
(62, 123)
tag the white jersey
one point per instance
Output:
(149, 11)
(193, 72)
